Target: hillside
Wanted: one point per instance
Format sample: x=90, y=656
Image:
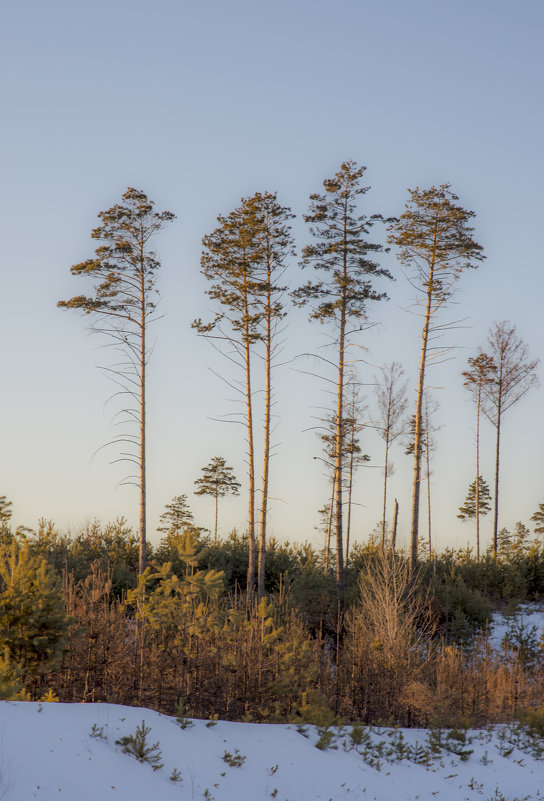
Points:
x=68, y=751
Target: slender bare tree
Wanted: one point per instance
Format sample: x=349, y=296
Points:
x=427, y=444
x=276, y=245
x=513, y=377
x=480, y=374
x=352, y=456
x=355, y=422
x=123, y=306
x=392, y=401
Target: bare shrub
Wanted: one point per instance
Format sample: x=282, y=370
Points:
x=387, y=650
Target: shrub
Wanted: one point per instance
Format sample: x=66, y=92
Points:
x=33, y=622
x=137, y=746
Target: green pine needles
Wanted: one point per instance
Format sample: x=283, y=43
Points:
x=137, y=745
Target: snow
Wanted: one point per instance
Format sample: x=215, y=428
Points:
x=47, y=752
x=530, y=616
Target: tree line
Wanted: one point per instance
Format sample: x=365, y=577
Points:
x=79, y=623
x=244, y=261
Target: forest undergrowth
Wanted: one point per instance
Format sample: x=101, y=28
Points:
x=78, y=625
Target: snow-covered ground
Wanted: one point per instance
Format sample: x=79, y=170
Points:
x=68, y=751
x=526, y=620
x=527, y=617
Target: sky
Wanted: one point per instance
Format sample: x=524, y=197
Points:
x=198, y=105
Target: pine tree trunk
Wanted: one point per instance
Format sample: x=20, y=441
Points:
x=339, y=448
x=350, y=487
x=385, y=470
x=478, y=471
x=417, y=433
x=395, y=522
x=216, y=516
x=497, y=461
x=142, y=560
x=429, y=489
x=329, y=524
x=251, y=462
x=266, y=450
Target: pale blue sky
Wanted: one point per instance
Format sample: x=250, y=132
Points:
x=199, y=104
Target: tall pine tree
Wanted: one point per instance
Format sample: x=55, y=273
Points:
x=124, y=270
x=342, y=253
x=243, y=260
x=435, y=244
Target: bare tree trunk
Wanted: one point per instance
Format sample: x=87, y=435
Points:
x=216, y=516
x=329, y=525
x=350, y=487
x=429, y=490
x=266, y=452
x=478, y=472
x=394, y=532
x=339, y=455
x=417, y=433
x=251, y=465
x=497, y=462
x=385, y=471
x=142, y=558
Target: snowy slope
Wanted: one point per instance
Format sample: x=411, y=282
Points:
x=47, y=752
x=527, y=617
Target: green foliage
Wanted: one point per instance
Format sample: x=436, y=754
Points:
x=176, y=518
x=357, y=734
x=176, y=776
x=433, y=232
x=343, y=290
x=181, y=719
x=33, y=623
x=468, y=510
x=122, y=263
x=459, y=609
x=113, y=547
x=235, y=760
x=522, y=640
x=122, y=305
x=520, y=540
x=182, y=549
x=217, y=480
x=527, y=735
x=326, y=739
x=314, y=709
x=538, y=518
x=137, y=745
x=50, y=697
x=11, y=688
x=6, y=511
x=533, y=721
x=97, y=732
x=230, y=557
x=457, y=742
x=175, y=606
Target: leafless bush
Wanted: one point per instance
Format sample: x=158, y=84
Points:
x=387, y=650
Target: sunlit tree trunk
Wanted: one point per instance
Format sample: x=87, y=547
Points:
x=416, y=487
x=250, y=457
x=266, y=448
